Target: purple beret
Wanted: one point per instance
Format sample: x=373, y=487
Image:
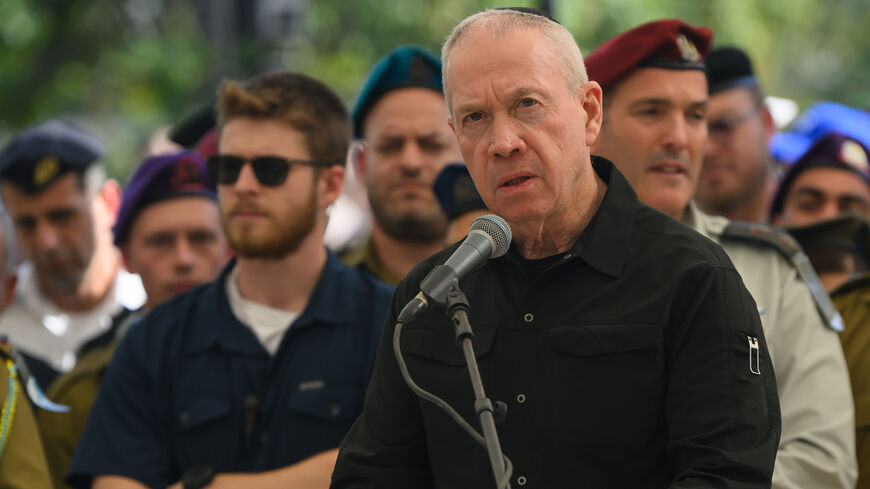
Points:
x=669, y=43
x=834, y=150
x=160, y=178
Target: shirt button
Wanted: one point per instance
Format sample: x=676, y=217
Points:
x=264, y=438
x=185, y=417
x=521, y=398
x=529, y=317
x=334, y=410
x=521, y=480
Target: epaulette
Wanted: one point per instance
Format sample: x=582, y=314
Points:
x=788, y=247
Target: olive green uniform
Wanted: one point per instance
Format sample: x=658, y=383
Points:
x=22, y=462
x=76, y=389
x=364, y=257
x=853, y=301
x=817, y=446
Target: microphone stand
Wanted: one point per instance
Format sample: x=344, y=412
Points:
x=457, y=310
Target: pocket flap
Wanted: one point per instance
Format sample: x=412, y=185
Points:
x=599, y=339
x=440, y=345
x=328, y=402
x=195, y=412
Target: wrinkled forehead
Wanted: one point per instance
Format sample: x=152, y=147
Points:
x=501, y=63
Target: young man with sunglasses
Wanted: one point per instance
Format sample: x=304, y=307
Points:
x=254, y=379
x=738, y=178
x=654, y=129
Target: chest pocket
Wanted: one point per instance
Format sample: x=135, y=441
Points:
x=605, y=384
x=327, y=403
x=322, y=415
x=437, y=364
x=201, y=425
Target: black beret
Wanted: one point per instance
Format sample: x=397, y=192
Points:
x=38, y=156
x=729, y=67
x=456, y=191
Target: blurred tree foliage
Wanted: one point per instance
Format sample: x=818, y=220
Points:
x=124, y=67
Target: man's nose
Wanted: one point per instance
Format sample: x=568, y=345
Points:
x=675, y=135
x=505, y=138
x=247, y=181
x=411, y=158
x=184, y=256
x=47, y=237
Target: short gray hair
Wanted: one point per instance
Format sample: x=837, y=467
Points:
x=501, y=22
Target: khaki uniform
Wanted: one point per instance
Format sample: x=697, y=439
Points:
x=22, y=463
x=817, y=446
x=364, y=257
x=78, y=390
x=853, y=301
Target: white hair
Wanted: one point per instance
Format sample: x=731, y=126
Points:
x=501, y=22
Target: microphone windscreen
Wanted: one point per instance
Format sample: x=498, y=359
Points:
x=497, y=229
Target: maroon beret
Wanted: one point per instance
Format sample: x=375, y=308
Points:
x=669, y=43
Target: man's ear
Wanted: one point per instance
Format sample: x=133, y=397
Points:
x=110, y=197
x=125, y=253
x=331, y=183
x=358, y=157
x=767, y=122
x=590, y=99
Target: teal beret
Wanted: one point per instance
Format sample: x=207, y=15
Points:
x=403, y=67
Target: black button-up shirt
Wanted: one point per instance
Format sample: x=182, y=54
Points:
x=636, y=360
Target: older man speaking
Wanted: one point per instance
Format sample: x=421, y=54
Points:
x=625, y=345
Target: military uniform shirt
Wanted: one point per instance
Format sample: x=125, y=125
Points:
x=174, y=394
x=51, y=336
x=22, y=463
x=637, y=360
x=365, y=258
x=853, y=301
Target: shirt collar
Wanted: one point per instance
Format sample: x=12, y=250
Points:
x=605, y=241
x=214, y=322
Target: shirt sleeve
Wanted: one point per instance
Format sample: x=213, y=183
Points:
x=722, y=409
x=817, y=448
x=125, y=434
x=385, y=448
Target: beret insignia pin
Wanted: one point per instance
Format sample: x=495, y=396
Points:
x=46, y=169
x=688, y=51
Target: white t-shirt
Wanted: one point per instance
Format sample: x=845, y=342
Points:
x=35, y=325
x=267, y=323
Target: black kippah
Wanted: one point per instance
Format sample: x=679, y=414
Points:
x=729, y=67
x=529, y=10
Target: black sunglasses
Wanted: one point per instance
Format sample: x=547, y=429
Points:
x=270, y=171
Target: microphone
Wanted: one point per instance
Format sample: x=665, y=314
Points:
x=488, y=237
